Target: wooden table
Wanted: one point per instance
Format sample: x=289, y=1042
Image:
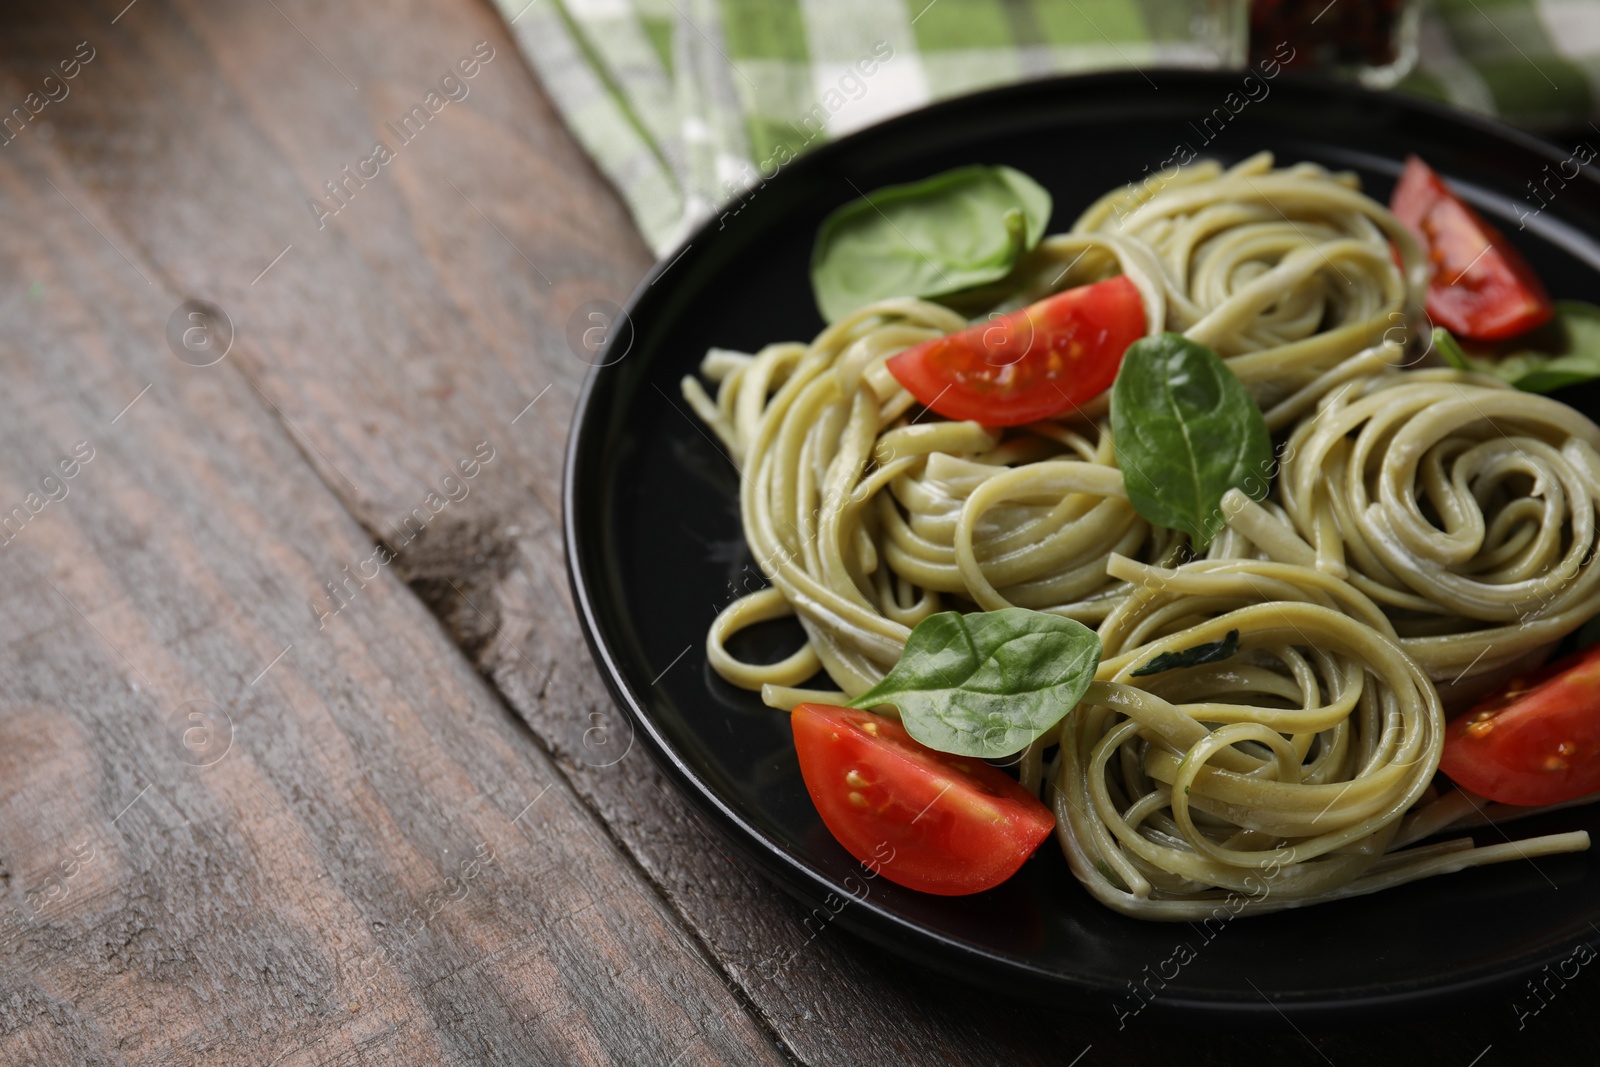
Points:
x=268, y=796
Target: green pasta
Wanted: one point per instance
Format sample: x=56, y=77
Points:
x=1425, y=530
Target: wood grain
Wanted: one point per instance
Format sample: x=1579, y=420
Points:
x=427, y=316
x=354, y=853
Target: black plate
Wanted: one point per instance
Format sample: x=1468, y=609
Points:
x=655, y=549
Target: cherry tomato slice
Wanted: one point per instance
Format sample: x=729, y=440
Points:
x=927, y=820
x=1030, y=364
x=1535, y=742
x=1482, y=288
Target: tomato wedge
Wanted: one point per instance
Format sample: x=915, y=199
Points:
x=1030, y=364
x=1482, y=288
x=927, y=820
x=1535, y=742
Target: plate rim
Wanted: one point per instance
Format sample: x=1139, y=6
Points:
x=898, y=934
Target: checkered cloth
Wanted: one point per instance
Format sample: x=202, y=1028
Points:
x=679, y=101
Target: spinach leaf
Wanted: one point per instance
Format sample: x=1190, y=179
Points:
x=1564, y=351
x=988, y=683
x=1210, y=652
x=1186, y=432
x=946, y=233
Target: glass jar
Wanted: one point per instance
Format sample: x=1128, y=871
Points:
x=1373, y=40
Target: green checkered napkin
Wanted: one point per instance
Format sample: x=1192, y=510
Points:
x=679, y=101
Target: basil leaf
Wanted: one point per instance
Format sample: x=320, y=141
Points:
x=1210, y=652
x=950, y=232
x=988, y=683
x=1564, y=351
x=1186, y=432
